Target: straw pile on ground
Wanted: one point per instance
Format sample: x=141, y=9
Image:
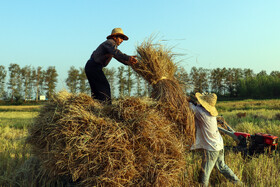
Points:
x=130, y=143
x=156, y=65
x=32, y=174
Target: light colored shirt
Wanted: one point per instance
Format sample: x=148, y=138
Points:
x=207, y=134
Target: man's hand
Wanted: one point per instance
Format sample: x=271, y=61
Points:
x=132, y=60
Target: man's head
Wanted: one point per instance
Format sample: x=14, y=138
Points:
x=118, y=39
x=117, y=32
x=208, y=101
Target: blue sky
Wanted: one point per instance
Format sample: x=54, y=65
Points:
x=210, y=33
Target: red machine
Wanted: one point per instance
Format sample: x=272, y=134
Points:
x=247, y=143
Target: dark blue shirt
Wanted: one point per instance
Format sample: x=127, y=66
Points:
x=105, y=51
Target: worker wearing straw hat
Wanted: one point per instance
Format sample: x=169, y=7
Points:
x=208, y=139
x=100, y=88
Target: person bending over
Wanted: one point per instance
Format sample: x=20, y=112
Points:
x=208, y=138
x=100, y=58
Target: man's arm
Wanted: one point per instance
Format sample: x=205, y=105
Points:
x=192, y=99
x=117, y=54
x=196, y=110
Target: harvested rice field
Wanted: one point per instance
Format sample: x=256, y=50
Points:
x=20, y=166
x=74, y=140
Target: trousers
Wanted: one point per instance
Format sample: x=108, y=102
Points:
x=211, y=159
x=99, y=85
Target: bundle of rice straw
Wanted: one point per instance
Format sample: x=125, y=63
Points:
x=130, y=143
x=155, y=65
x=31, y=173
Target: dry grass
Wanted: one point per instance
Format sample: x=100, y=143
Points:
x=18, y=114
x=127, y=144
x=272, y=104
x=130, y=143
x=258, y=171
x=31, y=107
x=157, y=67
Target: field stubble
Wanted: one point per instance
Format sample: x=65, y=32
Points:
x=261, y=116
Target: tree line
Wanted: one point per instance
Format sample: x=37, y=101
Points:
x=28, y=83
x=236, y=83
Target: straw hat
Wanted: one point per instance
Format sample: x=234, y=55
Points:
x=208, y=101
x=117, y=32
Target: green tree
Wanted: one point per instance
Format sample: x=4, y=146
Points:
x=83, y=83
x=121, y=81
x=129, y=80
x=51, y=81
x=242, y=88
x=183, y=77
x=275, y=73
x=33, y=81
x=15, y=81
x=42, y=82
x=261, y=86
x=27, y=81
x=139, y=82
x=199, y=79
x=217, y=79
x=37, y=79
x=110, y=74
x=262, y=73
x=111, y=79
x=72, y=80
x=276, y=86
x=231, y=81
x=3, y=74
x=248, y=73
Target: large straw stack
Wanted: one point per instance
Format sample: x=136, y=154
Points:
x=127, y=144
x=157, y=67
